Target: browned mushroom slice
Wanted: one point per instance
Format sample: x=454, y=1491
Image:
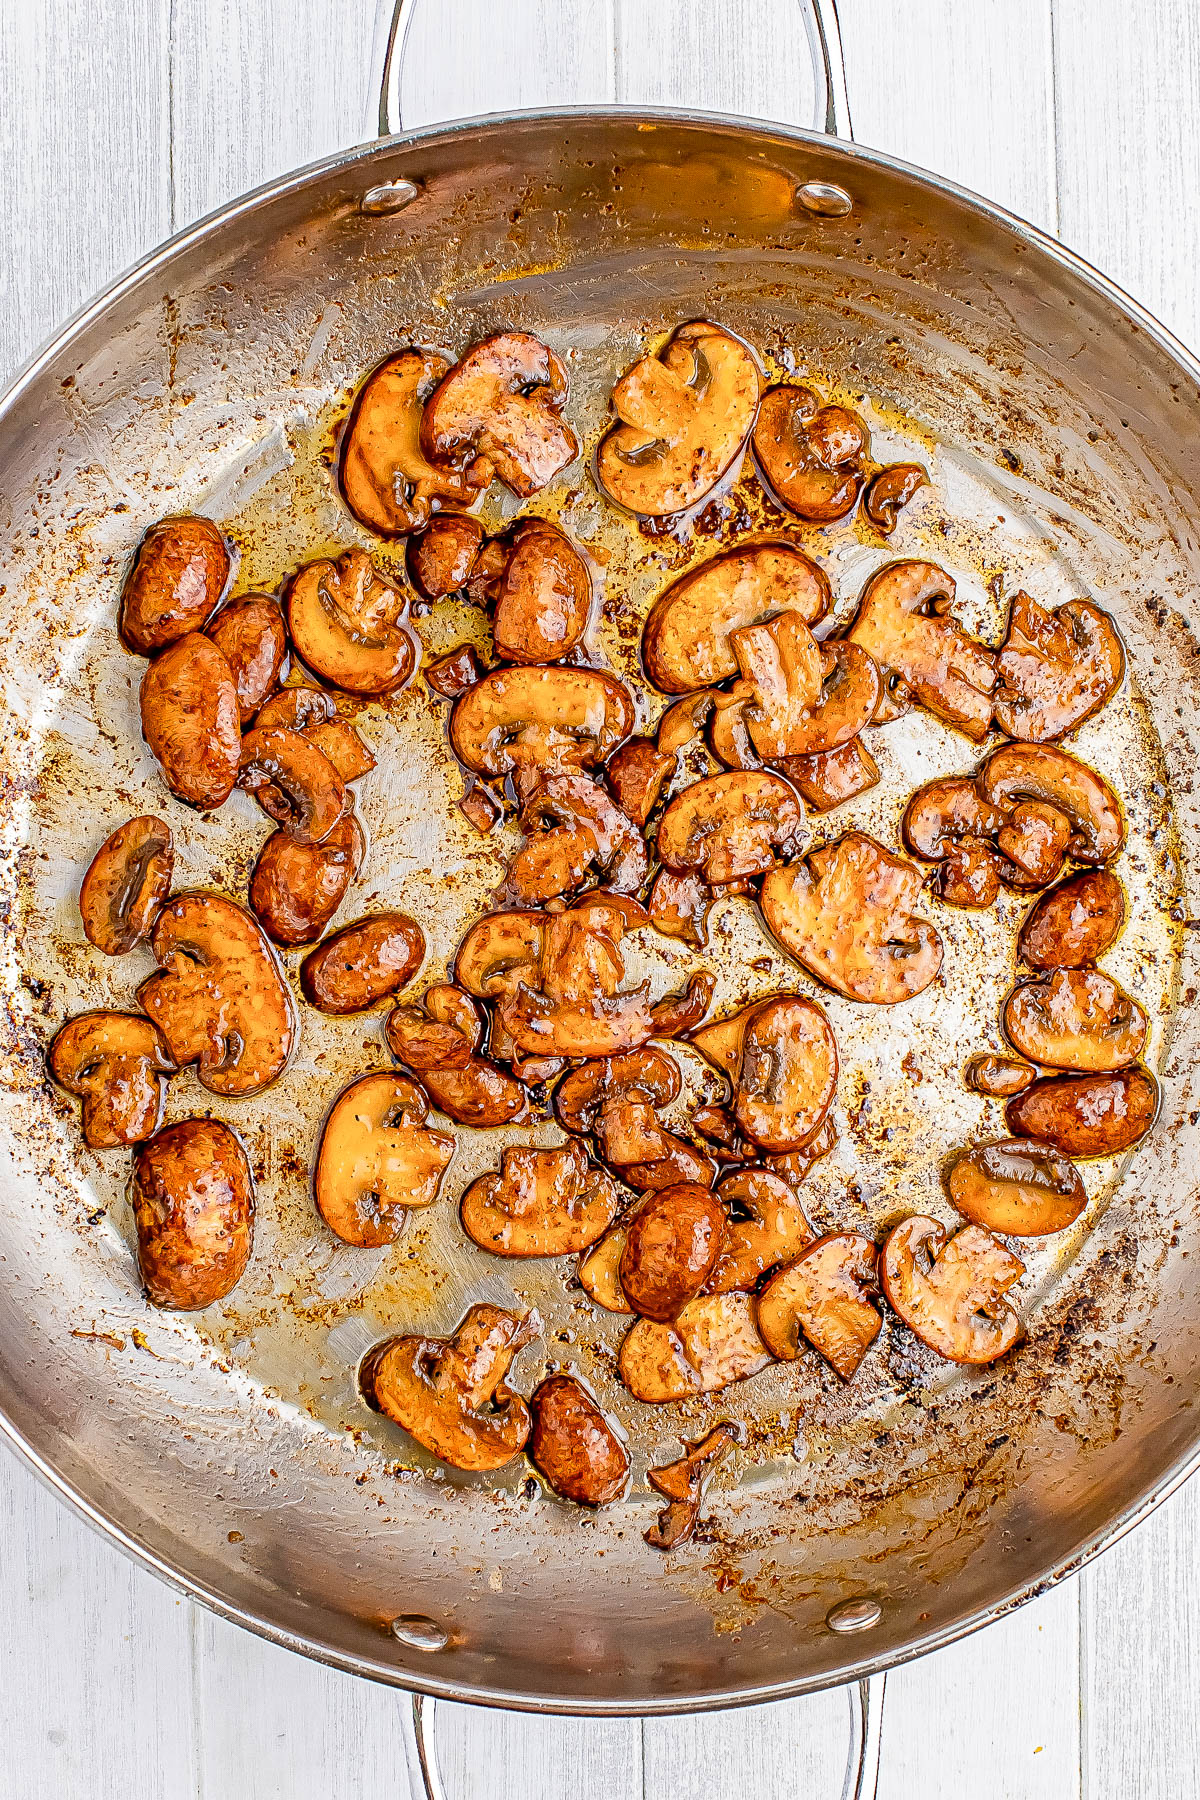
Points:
x=672, y=1244
x=453, y=675
x=296, y=708
x=904, y=621
x=251, y=636
x=296, y=888
x=643, y=1152
x=1056, y=668
x=826, y=1294
x=570, y=1002
x=951, y=1293
x=126, y=883
x=542, y=602
x=686, y=643
x=573, y=827
x=348, y=623
x=118, y=1066
x=727, y=827
x=219, y=998
x=193, y=1207
x=811, y=456
x=442, y=558
x=675, y=1015
x=1040, y=774
x=645, y=1074
x=712, y=1343
x=174, y=584
x=498, y=952
x=573, y=1445
x=293, y=782
x=829, y=777
x=439, y=1044
x=847, y=915
x=766, y=1227
x=787, y=1073
x=1035, y=839
x=948, y=823
x=998, y=1076
x=1086, y=1115
x=363, y=963
x=376, y=1158
x=599, y=1272
x=337, y=740
x=1075, y=922
x=534, y=722
x=798, y=697
x=637, y=773
x=1017, y=1187
x=680, y=905
x=498, y=412
x=795, y=1164
x=682, y=1486
x=542, y=1203
x=890, y=490
x=449, y=1393
x=1075, y=1019
x=480, y=808
x=388, y=482
x=191, y=722
x=684, y=418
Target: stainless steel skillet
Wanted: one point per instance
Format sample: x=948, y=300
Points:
x=1037, y=386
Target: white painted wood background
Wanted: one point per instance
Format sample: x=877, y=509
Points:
x=121, y=121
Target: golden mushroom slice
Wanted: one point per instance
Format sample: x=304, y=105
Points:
x=905, y=623
x=712, y=1343
x=293, y=781
x=684, y=418
x=686, y=643
x=499, y=412
x=117, y=1063
x=1055, y=668
x=296, y=888
x=826, y=1295
x=438, y=1041
x=766, y=1227
x=349, y=625
x=377, y=1157
x=449, y=1393
x=1000, y=1077
x=781, y=1060
x=811, y=456
x=1017, y=1187
x=947, y=822
x=798, y=697
x=126, y=884
x=951, y=1293
x=1075, y=923
x=599, y=1272
x=193, y=1208
x=731, y=827
x=541, y=1203
x=575, y=830
x=570, y=1002
x=1086, y=1115
x=252, y=637
x=847, y=914
x=1075, y=1019
x=179, y=572
x=1027, y=776
x=191, y=722
x=542, y=601
x=891, y=490
x=682, y=1486
x=363, y=963
x=444, y=556
x=574, y=1445
x=219, y=998
x=387, y=481
x=533, y=722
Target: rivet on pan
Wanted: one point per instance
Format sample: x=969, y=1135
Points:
x=853, y=1615
x=825, y=198
x=389, y=197
x=418, y=1632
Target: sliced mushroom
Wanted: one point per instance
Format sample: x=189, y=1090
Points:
x=468, y=1088
x=251, y=636
x=191, y=722
x=535, y=722
x=649, y=1075
x=728, y=827
x=712, y=1343
x=682, y=1486
x=542, y=1203
x=672, y=1244
x=573, y=828
x=175, y=583
x=637, y=772
x=766, y=1226
x=599, y=1272
x=118, y=1065
x=498, y=412
x=847, y=916
x=798, y=697
x=829, y=777
x=684, y=417
x=677, y=1014
x=480, y=808
x=377, y=1157
x=1055, y=668
x=219, y=998
x=1035, y=838
x=363, y=963
x=338, y=740
x=348, y=623
x=680, y=905
x=453, y=675
x=296, y=888
x=293, y=782
x=449, y=1393
x=574, y=1446
x=126, y=883
x=827, y=1295
x=951, y=1293
x=687, y=640
x=1075, y=922
x=1075, y=1019
x=811, y=456
x=619, y=1098
x=787, y=1074
x=998, y=1076
x=193, y=1206
x=388, y=482
x=1086, y=1115
x=948, y=822
x=1017, y=1187
x=498, y=952
x=542, y=602
x=297, y=708
x=904, y=621
x=795, y=1164
x=570, y=1002
x=1023, y=774
x=889, y=490
x=441, y=558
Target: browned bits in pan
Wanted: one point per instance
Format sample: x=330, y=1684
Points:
x=296, y=888
x=363, y=963
x=377, y=1158
x=126, y=883
x=251, y=636
x=118, y=1064
x=174, y=585
x=574, y=1446
x=682, y=1485
x=811, y=456
x=191, y=721
x=193, y=1205
x=889, y=491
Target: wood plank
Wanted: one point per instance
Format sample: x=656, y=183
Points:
x=485, y=1754
x=794, y=1747
x=463, y=58
x=726, y=56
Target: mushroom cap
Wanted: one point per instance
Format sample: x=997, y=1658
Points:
x=376, y=1158
x=191, y=721
x=498, y=411
x=1055, y=669
x=847, y=916
x=826, y=1295
x=672, y=1244
x=892, y=488
x=175, y=582
x=713, y=1342
x=126, y=883
x=904, y=621
x=548, y=719
x=193, y=1206
x=951, y=1293
x=387, y=481
x=1017, y=1187
x=767, y=1226
x=797, y=697
x=296, y=888
x=1020, y=774
x=297, y=708
x=441, y=558
x=572, y=824
x=573, y=1445
x=439, y=1043
x=1075, y=922
x=686, y=642
x=541, y=1203
x=543, y=601
x=363, y=963
x=293, y=781
x=219, y=998
x=810, y=456
x=348, y=624
x=729, y=827
x=684, y=417
x=252, y=637
x=117, y=1063
x=998, y=1076
x=787, y=1073
x=1086, y=1115
x=1075, y=1019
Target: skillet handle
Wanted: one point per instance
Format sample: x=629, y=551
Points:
x=821, y=25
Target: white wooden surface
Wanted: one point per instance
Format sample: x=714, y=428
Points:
x=121, y=120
